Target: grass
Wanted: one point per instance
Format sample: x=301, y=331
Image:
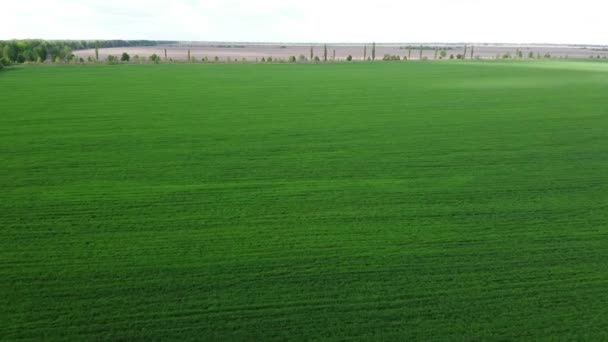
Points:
x=396, y=201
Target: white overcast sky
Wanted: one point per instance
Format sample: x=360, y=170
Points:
x=507, y=21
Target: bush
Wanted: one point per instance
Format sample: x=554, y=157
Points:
x=302, y=58
x=112, y=59
x=292, y=59
x=125, y=57
x=154, y=58
x=317, y=59
x=349, y=58
x=4, y=61
x=391, y=58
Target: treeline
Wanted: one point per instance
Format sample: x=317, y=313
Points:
x=38, y=50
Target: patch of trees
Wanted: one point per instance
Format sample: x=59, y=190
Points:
x=38, y=50
x=391, y=58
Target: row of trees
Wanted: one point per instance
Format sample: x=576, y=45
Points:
x=37, y=50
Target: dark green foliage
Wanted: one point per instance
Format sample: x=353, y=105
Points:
x=349, y=58
x=305, y=202
x=373, y=51
x=154, y=58
x=36, y=50
x=125, y=57
x=388, y=57
x=114, y=60
x=324, y=53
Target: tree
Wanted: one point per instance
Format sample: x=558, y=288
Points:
x=464, y=55
x=409, y=53
x=325, y=53
x=97, y=51
x=188, y=55
x=436, y=53
x=349, y=58
x=111, y=59
x=531, y=55
x=165, y=54
x=364, y=52
x=317, y=59
x=311, y=53
x=154, y=58
x=472, y=51
x=443, y=54
x=373, y=51
x=421, y=49
x=125, y=57
x=334, y=56
x=292, y=59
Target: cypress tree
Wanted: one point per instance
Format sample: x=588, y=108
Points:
x=311, y=53
x=188, y=55
x=436, y=51
x=409, y=54
x=364, y=52
x=97, y=51
x=420, y=52
x=472, y=51
x=325, y=53
x=165, y=54
x=464, y=55
x=373, y=51
x=334, y=58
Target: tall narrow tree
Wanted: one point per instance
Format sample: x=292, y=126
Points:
x=421, y=49
x=188, y=55
x=165, y=54
x=373, y=51
x=97, y=51
x=409, y=53
x=472, y=51
x=334, y=57
x=436, y=52
x=311, y=53
x=364, y=52
x=464, y=55
x=324, y=52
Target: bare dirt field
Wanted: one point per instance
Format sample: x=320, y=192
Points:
x=257, y=51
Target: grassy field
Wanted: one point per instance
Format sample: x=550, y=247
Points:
x=396, y=201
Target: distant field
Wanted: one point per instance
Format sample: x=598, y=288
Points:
x=396, y=201
x=251, y=52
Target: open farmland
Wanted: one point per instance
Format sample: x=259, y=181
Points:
x=252, y=51
x=338, y=201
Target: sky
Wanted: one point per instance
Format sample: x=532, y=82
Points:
x=331, y=21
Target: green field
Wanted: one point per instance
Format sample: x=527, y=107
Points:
x=395, y=201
